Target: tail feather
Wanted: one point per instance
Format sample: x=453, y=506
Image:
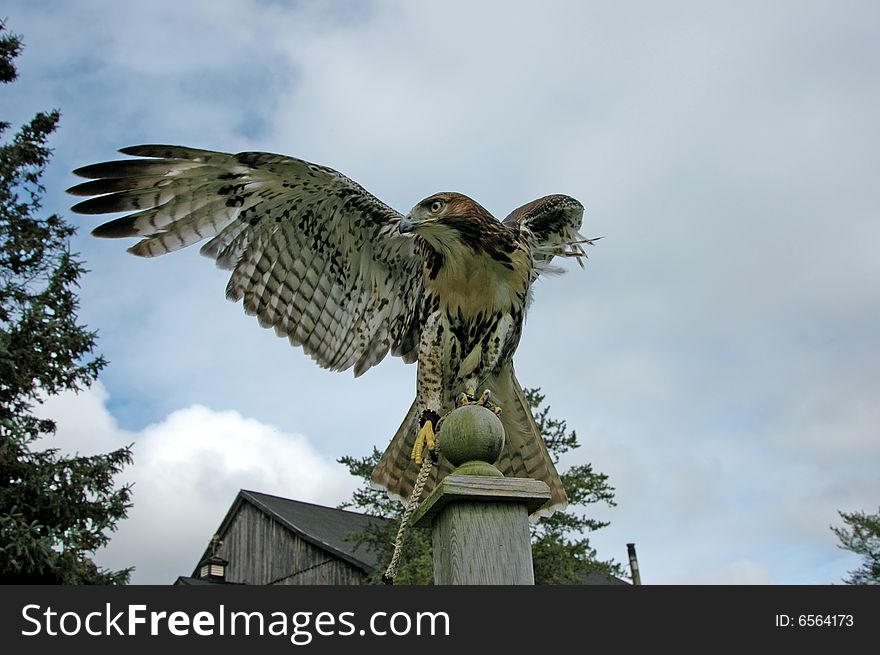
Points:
x=524, y=454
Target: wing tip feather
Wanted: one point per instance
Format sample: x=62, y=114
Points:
x=116, y=229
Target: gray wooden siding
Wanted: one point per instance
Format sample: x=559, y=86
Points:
x=262, y=551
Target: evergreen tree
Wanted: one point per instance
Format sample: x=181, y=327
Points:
x=54, y=510
x=561, y=550
x=416, y=566
x=862, y=537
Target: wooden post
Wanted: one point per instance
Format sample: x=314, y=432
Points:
x=479, y=518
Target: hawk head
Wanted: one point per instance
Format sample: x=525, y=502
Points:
x=449, y=221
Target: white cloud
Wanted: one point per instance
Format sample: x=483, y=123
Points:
x=187, y=470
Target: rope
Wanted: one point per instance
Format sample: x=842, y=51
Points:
x=411, y=504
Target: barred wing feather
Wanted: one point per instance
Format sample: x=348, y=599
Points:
x=550, y=225
x=312, y=254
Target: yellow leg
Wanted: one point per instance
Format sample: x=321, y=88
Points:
x=424, y=440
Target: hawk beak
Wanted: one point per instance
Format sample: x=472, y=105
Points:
x=406, y=226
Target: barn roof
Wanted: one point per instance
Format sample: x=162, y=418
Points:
x=326, y=527
x=192, y=581
x=599, y=578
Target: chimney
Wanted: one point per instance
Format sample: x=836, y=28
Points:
x=634, y=564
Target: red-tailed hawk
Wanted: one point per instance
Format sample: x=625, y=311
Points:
x=349, y=279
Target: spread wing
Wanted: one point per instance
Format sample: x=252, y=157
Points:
x=550, y=226
x=312, y=254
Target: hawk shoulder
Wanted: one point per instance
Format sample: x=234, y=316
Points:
x=550, y=227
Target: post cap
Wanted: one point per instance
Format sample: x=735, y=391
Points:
x=477, y=489
x=472, y=438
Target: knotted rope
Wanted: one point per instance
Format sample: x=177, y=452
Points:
x=414, y=499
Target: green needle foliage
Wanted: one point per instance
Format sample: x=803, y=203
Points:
x=862, y=537
x=561, y=550
x=54, y=510
x=415, y=559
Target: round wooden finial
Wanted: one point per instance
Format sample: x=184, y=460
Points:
x=472, y=438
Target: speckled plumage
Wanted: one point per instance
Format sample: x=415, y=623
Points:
x=336, y=271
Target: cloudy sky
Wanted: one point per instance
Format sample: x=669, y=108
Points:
x=719, y=357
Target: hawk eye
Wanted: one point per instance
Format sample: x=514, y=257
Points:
x=436, y=206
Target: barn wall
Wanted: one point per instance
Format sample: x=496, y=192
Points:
x=262, y=551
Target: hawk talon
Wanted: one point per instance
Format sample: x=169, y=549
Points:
x=469, y=397
x=425, y=440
